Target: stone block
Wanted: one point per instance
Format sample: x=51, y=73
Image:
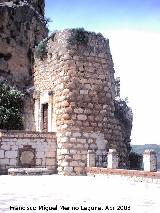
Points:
x=13, y=162
x=5, y=146
x=86, y=146
x=93, y=146
x=64, y=164
x=68, y=169
x=81, y=117
x=14, y=147
x=85, y=123
x=64, y=151
x=40, y=155
x=73, y=151
x=84, y=92
x=78, y=170
x=79, y=146
x=73, y=140
x=50, y=161
x=78, y=110
x=4, y=161
x=82, y=164
x=87, y=111
x=73, y=163
x=90, y=141
x=44, y=162
x=38, y=162
x=76, y=134
x=11, y=154
x=84, y=157
x=77, y=157
x=50, y=154
x=64, y=139
x=1, y=153
x=81, y=140
x=68, y=134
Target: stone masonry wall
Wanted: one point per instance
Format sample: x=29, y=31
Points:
x=81, y=78
x=27, y=149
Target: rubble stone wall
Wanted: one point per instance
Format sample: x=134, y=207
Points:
x=80, y=78
x=27, y=149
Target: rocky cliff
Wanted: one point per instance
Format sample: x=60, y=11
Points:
x=22, y=27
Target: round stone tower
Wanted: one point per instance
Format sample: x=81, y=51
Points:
x=74, y=83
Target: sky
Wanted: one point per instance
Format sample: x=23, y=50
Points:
x=133, y=29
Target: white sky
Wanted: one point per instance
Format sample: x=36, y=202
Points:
x=136, y=55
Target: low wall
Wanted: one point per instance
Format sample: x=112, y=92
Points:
x=27, y=149
x=134, y=175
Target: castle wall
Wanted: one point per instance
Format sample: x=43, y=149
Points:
x=81, y=81
x=27, y=149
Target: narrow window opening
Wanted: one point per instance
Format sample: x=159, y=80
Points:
x=45, y=117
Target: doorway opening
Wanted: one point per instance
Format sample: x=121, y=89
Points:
x=45, y=117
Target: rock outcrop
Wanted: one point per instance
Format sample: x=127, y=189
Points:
x=22, y=27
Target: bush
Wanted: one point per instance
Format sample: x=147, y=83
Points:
x=41, y=50
x=11, y=106
x=123, y=112
x=135, y=160
x=78, y=37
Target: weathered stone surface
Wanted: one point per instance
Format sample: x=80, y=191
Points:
x=10, y=154
x=1, y=153
x=30, y=171
x=26, y=157
x=75, y=80
x=22, y=153
x=150, y=161
x=22, y=26
x=84, y=91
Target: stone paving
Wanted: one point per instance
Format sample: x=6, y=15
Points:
x=56, y=193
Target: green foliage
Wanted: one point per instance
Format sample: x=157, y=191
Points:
x=135, y=160
x=117, y=86
x=11, y=106
x=78, y=37
x=123, y=112
x=47, y=20
x=41, y=50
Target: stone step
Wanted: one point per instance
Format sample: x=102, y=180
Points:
x=30, y=171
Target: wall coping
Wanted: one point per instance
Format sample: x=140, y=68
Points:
x=26, y=134
x=122, y=172
x=30, y=171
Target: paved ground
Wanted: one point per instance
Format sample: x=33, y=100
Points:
x=51, y=193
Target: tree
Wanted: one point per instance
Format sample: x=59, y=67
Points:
x=11, y=106
x=135, y=160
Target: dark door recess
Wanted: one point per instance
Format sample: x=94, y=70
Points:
x=45, y=117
